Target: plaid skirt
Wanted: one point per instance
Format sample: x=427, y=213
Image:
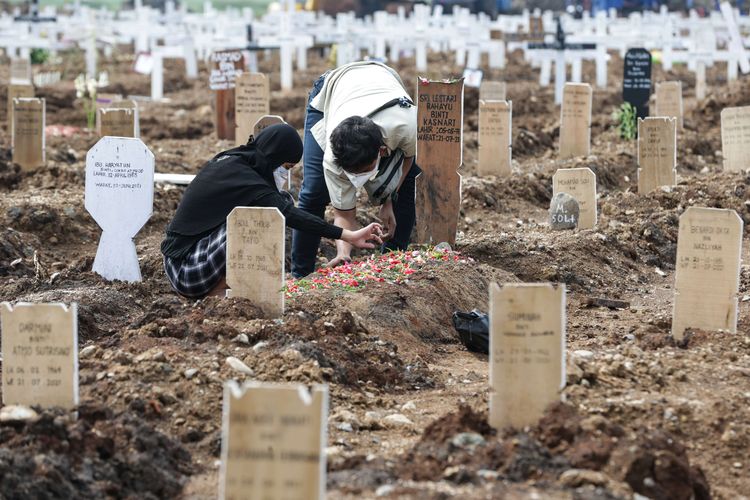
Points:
x=200, y=271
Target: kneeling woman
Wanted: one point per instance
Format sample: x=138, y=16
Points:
x=247, y=176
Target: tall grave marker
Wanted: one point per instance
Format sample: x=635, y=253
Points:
x=439, y=154
x=707, y=275
x=735, y=137
x=40, y=354
x=669, y=101
x=14, y=92
x=580, y=183
x=636, y=82
x=575, y=120
x=226, y=66
x=251, y=102
x=495, y=137
x=120, y=198
x=273, y=441
x=29, y=117
x=527, y=351
x=657, y=153
x=255, y=257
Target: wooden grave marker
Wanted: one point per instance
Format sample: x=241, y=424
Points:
x=120, y=197
x=492, y=91
x=580, y=183
x=255, y=257
x=707, y=274
x=226, y=66
x=439, y=154
x=266, y=121
x=495, y=149
x=20, y=71
x=14, y=92
x=29, y=141
x=657, y=153
x=105, y=101
x=273, y=442
x=669, y=101
x=118, y=122
x=575, y=120
x=735, y=138
x=119, y=104
x=40, y=354
x=251, y=102
x=527, y=351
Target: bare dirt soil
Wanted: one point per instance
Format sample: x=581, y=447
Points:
x=641, y=413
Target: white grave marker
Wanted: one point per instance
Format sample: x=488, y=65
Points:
x=735, y=138
x=255, y=257
x=575, y=120
x=657, y=153
x=580, y=183
x=707, y=275
x=527, y=351
x=120, y=198
x=495, y=137
x=40, y=354
x=273, y=442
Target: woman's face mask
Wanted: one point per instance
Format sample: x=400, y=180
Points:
x=359, y=180
x=281, y=177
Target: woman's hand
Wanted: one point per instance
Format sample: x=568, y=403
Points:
x=367, y=237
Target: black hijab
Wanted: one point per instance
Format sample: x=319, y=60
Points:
x=235, y=178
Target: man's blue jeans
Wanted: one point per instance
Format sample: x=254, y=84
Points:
x=313, y=198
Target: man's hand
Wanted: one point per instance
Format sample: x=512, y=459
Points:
x=388, y=218
x=367, y=237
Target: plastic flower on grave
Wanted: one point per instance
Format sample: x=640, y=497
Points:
x=80, y=84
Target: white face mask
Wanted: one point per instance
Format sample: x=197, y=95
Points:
x=281, y=177
x=359, y=180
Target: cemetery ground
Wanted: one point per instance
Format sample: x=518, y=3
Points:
x=408, y=406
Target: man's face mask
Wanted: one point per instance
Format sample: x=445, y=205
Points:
x=359, y=180
x=281, y=177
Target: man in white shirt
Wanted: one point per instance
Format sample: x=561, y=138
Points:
x=360, y=132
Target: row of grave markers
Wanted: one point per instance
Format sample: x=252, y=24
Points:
x=527, y=321
x=274, y=436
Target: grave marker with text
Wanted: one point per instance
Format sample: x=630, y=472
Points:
x=575, y=120
x=17, y=91
x=527, y=351
x=735, y=138
x=251, y=102
x=40, y=354
x=226, y=66
x=495, y=137
x=439, y=154
x=492, y=91
x=273, y=442
x=657, y=153
x=120, y=198
x=636, y=83
x=707, y=274
x=255, y=257
x=29, y=140
x=580, y=183
x=266, y=121
x=118, y=122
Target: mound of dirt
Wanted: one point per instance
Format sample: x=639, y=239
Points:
x=99, y=455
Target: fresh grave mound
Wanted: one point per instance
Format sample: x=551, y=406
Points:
x=99, y=455
x=565, y=447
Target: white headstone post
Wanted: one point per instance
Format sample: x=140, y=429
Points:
x=120, y=198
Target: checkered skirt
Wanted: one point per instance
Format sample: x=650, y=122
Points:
x=200, y=271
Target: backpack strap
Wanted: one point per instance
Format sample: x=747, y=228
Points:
x=404, y=102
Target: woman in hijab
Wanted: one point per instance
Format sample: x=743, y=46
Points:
x=251, y=175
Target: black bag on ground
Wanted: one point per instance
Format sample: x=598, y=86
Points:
x=473, y=329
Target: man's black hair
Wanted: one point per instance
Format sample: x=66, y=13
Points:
x=355, y=143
